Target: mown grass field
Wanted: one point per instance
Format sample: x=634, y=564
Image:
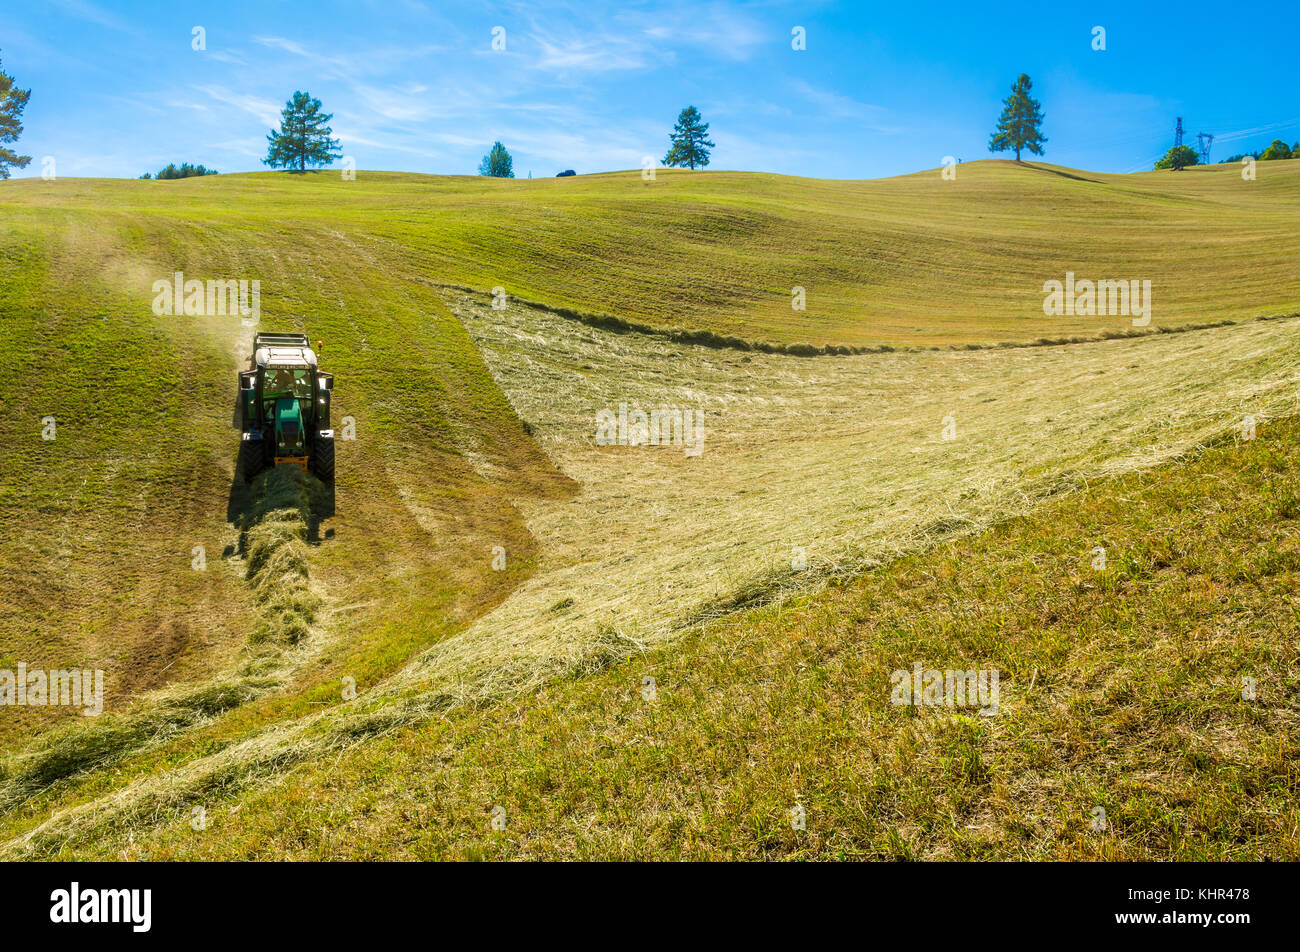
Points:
x=908, y=260
x=1121, y=688
x=473, y=432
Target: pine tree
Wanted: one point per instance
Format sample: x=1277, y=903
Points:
x=12, y=103
x=690, y=141
x=1019, y=126
x=497, y=163
x=304, y=138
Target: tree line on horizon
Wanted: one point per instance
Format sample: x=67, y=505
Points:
x=304, y=139
x=1181, y=156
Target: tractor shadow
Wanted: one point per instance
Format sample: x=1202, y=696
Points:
x=243, y=511
x=322, y=508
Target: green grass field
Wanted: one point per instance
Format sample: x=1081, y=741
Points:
x=1121, y=688
x=521, y=687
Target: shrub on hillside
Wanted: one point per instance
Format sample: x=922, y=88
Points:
x=184, y=170
x=1277, y=150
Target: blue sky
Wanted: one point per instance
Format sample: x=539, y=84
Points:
x=882, y=88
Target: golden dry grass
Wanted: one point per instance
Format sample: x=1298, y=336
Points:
x=843, y=457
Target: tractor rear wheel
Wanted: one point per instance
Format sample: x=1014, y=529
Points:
x=322, y=458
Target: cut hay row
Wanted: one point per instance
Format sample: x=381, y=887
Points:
x=273, y=537
x=707, y=338
x=842, y=458
x=275, y=542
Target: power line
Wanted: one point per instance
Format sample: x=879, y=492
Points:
x=1247, y=133
x=1221, y=138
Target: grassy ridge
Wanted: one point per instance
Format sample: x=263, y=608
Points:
x=908, y=260
x=1120, y=688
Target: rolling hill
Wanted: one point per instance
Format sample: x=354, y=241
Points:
x=474, y=435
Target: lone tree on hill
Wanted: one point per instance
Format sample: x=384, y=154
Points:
x=1185, y=153
x=690, y=139
x=304, y=138
x=1020, y=125
x=12, y=103
x=498, y=163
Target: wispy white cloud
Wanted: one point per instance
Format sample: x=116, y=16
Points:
x=722, y=29
x=266, y=111
x=597, y=54
x=84, y=10
x=253, y=147
x=1258, y=130
x=353, y=64
x=406, y=103
x=280, y=43
x=224, y=56
x=834, y=105
x=182, y=104
x=599, y=42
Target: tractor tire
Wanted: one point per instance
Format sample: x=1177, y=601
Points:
x=322, y=458
x=252, y=458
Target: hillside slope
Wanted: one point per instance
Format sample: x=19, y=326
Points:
x=604, y=553
x=98, y=526
x=909, y=260
x=1123, y=689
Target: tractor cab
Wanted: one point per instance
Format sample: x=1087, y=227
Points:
x=285, y=406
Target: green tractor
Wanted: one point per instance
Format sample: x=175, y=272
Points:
x=284, y=402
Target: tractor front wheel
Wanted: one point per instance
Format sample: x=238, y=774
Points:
x=252, y=458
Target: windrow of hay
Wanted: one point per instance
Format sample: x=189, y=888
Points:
x=273, y=537
x=271, y=753
x=815, y=468
x=78, y=746
x=278, y=560
x=809, y=468
x=707, y=338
